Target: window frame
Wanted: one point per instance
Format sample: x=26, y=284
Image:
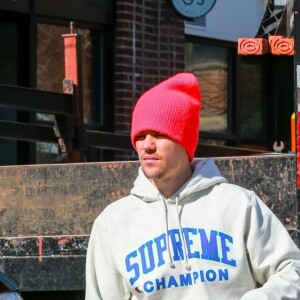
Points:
x=230, y=134
x=270, y=94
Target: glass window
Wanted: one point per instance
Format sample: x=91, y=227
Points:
x=251, y=100
x=50, y=73
x=210, y=65
x=247, y=101
x=8, y=75
x=50, y=63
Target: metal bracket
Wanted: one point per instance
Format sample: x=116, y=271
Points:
x=278, y=148
x=60, y=140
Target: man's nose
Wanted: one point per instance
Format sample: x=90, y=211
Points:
x=149, y=142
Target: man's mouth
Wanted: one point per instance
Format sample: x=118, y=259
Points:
x=150, y=157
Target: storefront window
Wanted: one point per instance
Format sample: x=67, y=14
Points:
x=209, y=64
x=251, y=100
x=8, y=75
x=50, y=74
x=50, y=62
x=247, y=101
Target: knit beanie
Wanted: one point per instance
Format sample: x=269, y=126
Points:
x=172, y=108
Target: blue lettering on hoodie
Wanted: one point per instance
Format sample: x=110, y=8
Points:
x=224, y=237
x=209, y=247
x=146, y=252
x=201, y=244
x=132, y=266
x=189, y=234
x=183, y=280
x=176, y=243
x=161, y=247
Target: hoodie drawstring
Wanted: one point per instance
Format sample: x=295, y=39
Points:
x=187, y=264
x=171, y=263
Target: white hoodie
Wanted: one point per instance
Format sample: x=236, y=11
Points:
x=211, y=240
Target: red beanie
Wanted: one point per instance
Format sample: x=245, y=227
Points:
x=172, y=107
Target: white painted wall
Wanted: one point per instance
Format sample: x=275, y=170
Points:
x=230, y=19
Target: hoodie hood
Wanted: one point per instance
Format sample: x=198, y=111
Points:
x=205, y=175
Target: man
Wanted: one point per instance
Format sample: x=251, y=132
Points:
x=184, y=232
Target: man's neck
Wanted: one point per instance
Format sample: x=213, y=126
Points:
x=168, y=186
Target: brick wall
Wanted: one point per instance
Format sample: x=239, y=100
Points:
x=149, y=47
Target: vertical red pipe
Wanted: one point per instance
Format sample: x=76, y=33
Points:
x=72, y=67
x=71, y=63
x=293, y=133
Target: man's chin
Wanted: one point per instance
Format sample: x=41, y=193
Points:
x=153, y=174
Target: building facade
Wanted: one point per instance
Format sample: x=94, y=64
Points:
x=129, y=46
